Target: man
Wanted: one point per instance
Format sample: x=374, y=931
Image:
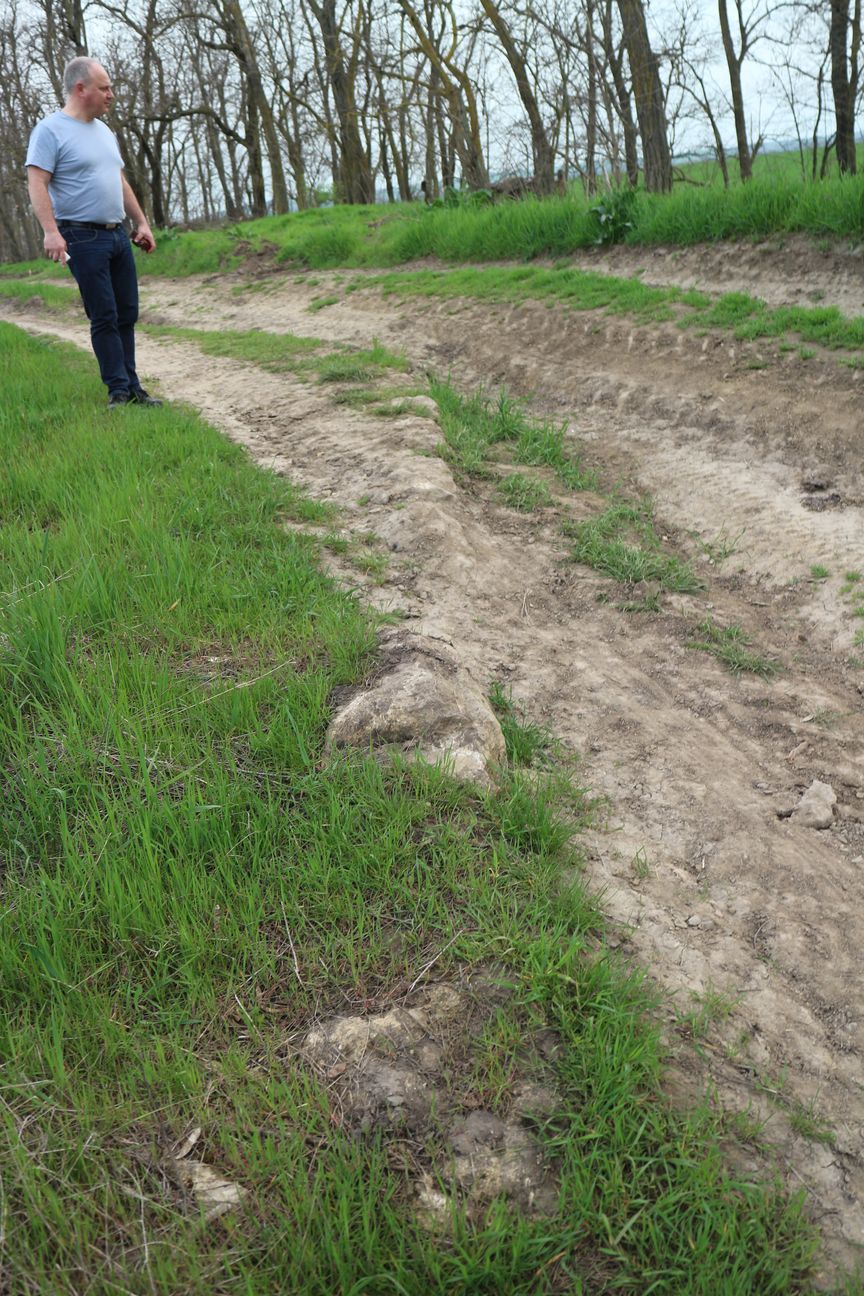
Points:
x=81, y=196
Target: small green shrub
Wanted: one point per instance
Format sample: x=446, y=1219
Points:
x=615, y=216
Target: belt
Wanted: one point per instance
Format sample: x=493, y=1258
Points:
x=90, y=225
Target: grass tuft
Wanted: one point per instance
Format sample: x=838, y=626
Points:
x=475, y=426
x=621, y=542
x=526, y=494
x=730, y=644
x=526, y=743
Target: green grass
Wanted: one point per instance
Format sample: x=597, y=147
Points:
x=359, y=365
x=289, y=353
x=523, y=493
x=810, y=1124
x=747, y=317
x=710, y=1007
x=320, y=303
x=381, y=400
x=279, y=352
x=581, y=290
x=775, y=204
x=527, y=743
x=52, y=294
x=621, y=542
x=730, y=644
x=189, y=882
x=476, y=428
x=750, y=319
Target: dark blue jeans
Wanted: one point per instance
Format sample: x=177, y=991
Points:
x=104, y=268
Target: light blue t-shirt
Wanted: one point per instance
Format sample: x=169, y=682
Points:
x=85, y=164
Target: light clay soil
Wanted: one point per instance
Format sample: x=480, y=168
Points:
x=709, y=884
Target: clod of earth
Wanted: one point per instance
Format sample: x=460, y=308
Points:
x=407, y=1072
x=425, y=704
x=423, y=405
x=215, y=1195
x=818, y=503
x=816, y=807
x=819, y=479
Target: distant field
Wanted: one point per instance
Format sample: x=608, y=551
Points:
x=767, y=166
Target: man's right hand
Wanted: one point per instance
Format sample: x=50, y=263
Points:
x=55, y=247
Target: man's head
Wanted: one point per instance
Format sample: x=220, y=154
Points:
x=87, y=87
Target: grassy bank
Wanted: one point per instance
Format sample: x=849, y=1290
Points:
x=189, y=884
x=747, y=317
x=554, y=227
x=774, y=204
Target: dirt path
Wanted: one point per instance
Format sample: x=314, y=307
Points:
x=714, y=888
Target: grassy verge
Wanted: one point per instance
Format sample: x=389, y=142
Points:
x=747, y=317
x=52, y=294
x=289, y=353
x=774, y=204
x=188, y=884
x=582, y=290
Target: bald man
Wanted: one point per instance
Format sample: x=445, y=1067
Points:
x=81, y=198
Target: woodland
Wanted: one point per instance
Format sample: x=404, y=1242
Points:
x=228, y=109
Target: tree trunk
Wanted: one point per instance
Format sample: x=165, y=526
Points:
x=733, y=63
x=355, y=183
x=844, y=103
x=615, y=58
x=457, y=91
x=591, y=113
x=260, y=115
x=648, y=93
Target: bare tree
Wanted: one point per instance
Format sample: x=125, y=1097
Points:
x=456, y=89
x=516, y=54
x=690, y=55
x=648, y=93
x=20, y=237
x=237, y=107
x=751, y=25
x=353, y=179
x=845, y=48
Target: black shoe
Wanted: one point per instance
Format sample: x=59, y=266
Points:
x=138, y=396
x=118, y=398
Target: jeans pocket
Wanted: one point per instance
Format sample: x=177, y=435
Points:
x=79, y=238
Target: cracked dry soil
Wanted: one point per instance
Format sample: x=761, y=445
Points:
x=707, y=880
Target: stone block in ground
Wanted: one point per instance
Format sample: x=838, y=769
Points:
x=424, y=703
x=816, y=807
x=410, y=1072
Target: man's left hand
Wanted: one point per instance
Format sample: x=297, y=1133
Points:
x=143, y=238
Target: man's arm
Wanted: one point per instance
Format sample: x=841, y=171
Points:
x=143, y=235
x=37, y=186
